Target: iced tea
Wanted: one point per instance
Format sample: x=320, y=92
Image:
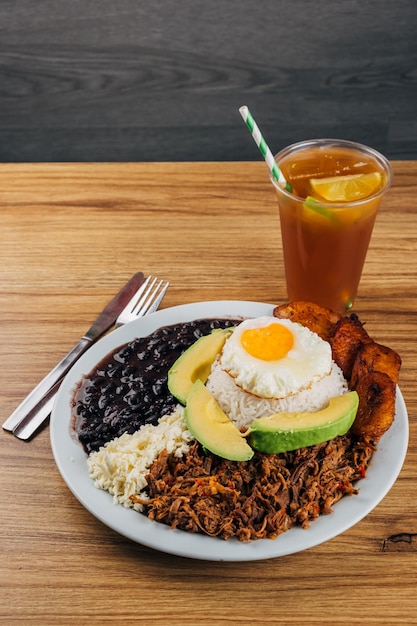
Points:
x=328, y=217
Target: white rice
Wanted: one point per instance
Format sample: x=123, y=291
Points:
x=242, y=407
x=120, y=466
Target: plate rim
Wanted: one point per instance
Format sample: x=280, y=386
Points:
x=70, y=459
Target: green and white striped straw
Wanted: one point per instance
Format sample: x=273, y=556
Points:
x=264, y=148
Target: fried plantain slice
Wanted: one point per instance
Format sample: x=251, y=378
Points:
x=347, y=338
x=375, y=357
x=315, y=317
x=376, y=409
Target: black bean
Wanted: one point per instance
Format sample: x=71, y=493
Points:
x=157, y=387
x=129, y=387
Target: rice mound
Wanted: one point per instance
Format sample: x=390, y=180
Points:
x=242, y=407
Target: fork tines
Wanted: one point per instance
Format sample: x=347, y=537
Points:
x=151, y=299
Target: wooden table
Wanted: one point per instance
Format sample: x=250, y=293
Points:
x=71, y=235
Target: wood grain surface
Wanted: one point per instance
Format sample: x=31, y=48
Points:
x=95, y=80
x=70, y=236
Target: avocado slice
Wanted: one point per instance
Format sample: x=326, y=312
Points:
x=195, y=363
x=212, y=428
x=282, y=432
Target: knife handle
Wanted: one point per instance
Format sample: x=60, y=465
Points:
x=38, y=415
x=34, y=398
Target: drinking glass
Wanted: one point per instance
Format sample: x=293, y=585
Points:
x=325, y=238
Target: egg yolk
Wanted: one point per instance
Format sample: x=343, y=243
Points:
x=269, y=343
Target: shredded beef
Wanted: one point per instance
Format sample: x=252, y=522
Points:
x=260, y=498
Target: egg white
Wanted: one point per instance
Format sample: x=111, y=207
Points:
x=308, y=361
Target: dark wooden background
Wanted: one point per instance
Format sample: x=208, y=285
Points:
x=120, y=80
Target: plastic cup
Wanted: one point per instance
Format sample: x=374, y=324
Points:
x=325, y=242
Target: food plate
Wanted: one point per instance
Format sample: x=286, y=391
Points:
x=71, y=460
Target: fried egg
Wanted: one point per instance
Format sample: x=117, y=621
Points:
x=275, y=358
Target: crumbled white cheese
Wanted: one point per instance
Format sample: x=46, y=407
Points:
x=120, y=466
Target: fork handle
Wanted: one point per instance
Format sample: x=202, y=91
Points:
x=37, y=416
x=34, y=398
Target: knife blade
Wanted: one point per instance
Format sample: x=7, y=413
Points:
x=40, y=413
x=104, y=321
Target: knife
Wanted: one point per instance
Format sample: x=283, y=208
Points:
x=39, y=414
x=44, y=390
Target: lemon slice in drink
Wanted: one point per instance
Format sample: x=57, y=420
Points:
x=346, y=188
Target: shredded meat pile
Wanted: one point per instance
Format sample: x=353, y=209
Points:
x=260, y=498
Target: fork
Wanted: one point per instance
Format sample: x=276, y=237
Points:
x=145, y=301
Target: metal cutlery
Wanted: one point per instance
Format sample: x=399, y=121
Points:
x=103, y=322
x=36, y=407
x=145, y=301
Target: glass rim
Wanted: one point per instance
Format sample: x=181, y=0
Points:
x=353, y=145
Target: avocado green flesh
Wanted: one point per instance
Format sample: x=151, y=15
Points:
x=212, y=428
x=195, y=363
x=283, y=432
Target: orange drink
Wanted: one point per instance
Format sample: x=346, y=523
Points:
x=328, y=216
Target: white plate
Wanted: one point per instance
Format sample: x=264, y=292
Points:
x=71, y=461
